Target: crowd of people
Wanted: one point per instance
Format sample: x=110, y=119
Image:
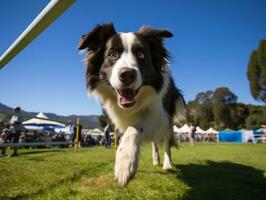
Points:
x=13, y=131
x=197, y=137
x=192, y=136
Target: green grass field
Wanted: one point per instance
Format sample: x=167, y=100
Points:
x=203, y=171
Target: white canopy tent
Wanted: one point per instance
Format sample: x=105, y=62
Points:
x=41, y=120
x=175, y=129
x=211, y=130
x=247, y=135
x=65, y=130
x=95, y=131
x=42, y=115
x=33, y=128
x=184, y=129
x=200, y=131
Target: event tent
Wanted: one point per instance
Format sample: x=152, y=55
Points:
x=247, y=135
x=42, y=121
x=42, y=115
x=240, y=136
x=211, y=130
x=199, y=130
x=184, y=129
x=95, y=131
x=175, y=129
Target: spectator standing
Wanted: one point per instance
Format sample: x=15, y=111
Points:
x=3, y=139
x=192, y=134
x=16, y=127
x=71, y=132
x=2, y=124
x=107, y=140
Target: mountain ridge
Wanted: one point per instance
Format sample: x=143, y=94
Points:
x=88, y=121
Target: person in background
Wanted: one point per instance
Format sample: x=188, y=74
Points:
x=71, y=133
x=1, y=125
x=107, y=140
x=3, y=139
x=192, y=134
x=16, y=127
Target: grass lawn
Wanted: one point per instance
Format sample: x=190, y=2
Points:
x=203, y=171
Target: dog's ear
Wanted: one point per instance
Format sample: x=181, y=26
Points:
x=97, y=37
x=150, y=33
x=154, y=37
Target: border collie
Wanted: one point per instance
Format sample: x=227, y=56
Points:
x=129, y=73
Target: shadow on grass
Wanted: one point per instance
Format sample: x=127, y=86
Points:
x=222, y=180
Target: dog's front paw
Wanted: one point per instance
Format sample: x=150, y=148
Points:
x=125, y=166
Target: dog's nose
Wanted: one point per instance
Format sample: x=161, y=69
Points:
x=127, y=76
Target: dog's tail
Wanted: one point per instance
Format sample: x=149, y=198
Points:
x=180, y=109
x=179, y=116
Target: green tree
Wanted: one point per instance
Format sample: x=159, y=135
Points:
x=256, y=117
x=200, y=110
x=224, y=95
x=204, y=97
x=221, y=110
x=257, y=72
x=205, y=116
x=238, y=114
x=192, y=112
x=223, y=101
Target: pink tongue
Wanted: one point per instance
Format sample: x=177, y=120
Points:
x=124, y=100
x=126, y=96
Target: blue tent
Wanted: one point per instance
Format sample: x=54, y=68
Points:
x=230, y=136
x=240, y=136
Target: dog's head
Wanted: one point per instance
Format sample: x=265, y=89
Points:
x=125, y=62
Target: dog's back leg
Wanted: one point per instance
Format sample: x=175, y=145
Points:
x=155, y=154
x=167, y=155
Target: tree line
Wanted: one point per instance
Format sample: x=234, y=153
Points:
x=221, y=110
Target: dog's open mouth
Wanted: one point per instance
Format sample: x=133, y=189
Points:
x=126, y=97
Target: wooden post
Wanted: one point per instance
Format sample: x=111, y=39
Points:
x=77, y=135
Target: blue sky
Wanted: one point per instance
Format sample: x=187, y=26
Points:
x=210, y=48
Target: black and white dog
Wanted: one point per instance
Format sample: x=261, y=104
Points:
x=129, y=73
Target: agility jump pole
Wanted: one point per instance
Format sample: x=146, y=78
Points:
x=77, y=134
x=49, y=14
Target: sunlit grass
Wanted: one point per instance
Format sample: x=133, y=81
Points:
x=203, y=171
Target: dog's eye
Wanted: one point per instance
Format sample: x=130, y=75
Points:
x=113, y=55
x=140, y=55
